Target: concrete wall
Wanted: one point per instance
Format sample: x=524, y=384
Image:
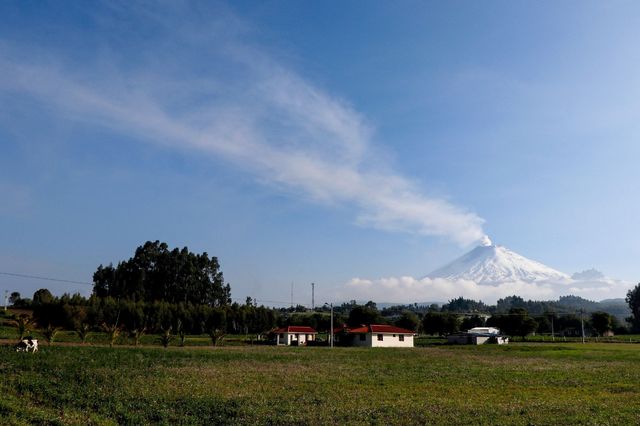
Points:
x=459, y=339
x=289, y=338
x=470, y=339
x=357, y=340
x=388, y=340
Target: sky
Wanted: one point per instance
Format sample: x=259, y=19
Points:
x=329, y=142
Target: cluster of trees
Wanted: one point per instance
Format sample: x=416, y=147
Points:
x=157, y=290
x=156, y=273
x=75, y=312
x=518, y=322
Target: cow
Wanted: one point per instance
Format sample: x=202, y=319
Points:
x=27, y=344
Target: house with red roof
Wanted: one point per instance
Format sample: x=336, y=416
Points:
x=374, y=336
x=294, y=335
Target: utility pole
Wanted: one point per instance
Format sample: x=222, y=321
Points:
x=331, y=331
x=313, y=294
x=6, y=299
x=292, y=295
x=582, y=323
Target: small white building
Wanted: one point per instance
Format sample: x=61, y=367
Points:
x=295, y=335
x=478, y=336
x=375, y=336
x=485, y=330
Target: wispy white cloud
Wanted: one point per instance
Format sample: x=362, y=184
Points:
x=245, y=107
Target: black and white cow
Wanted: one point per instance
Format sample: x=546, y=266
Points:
x=27, y=344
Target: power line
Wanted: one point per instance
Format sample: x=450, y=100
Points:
x=12, y=274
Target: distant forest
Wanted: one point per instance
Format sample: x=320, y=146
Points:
x=174, y=290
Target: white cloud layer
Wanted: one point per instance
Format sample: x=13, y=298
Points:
x=409, y=290
x=243, y=106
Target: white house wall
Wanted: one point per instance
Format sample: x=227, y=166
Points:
x=391, y=341
x=290, y=337
x=366, y=342
x=388, y=341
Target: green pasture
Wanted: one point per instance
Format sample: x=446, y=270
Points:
x=100, y=338
x=523, y=383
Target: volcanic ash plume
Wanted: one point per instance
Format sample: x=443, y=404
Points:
x=486, y=241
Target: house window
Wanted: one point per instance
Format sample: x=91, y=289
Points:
x=401, y=337
x=282, y=335
x=363, y=337
x=380, y=337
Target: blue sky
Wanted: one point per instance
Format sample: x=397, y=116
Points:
x=318, y=142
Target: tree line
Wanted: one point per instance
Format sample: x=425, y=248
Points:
x=160, y=289
x=74, y=312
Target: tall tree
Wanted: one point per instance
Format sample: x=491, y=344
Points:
x=156, y=273
x=15, y=297
x=42, y=297
x=440, y=323
x=472, y=321
x=464, y=305
x=633, y=299
x=516, y=322
x=601, y=322
x=408, y=320
x=367, y=314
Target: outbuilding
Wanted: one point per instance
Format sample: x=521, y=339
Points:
x=374, y=336
x=295, y=335
x=478, y=336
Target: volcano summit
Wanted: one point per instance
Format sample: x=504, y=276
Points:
x=492, y=264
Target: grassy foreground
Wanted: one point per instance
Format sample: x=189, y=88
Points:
x=516, y=384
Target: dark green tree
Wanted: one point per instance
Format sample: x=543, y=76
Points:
x=440, y=323
x=471, y=322
x=510, y=302
x=601, y=322
x=14, y=297
x=42, y=297
x=464, y=305
x=633, y=299
x=516, y=322
x=408, y=320
x=367, y=314
x=156, y=273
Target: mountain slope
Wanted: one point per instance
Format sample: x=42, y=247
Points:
x=492, y=264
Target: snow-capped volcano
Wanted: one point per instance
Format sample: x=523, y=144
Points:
x=489, y=272
x=492, y=264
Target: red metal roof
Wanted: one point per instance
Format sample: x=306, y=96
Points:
x=374, y=328
x=379, y=328
x=296, y=329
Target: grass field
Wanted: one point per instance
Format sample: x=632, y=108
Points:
x=517, y=384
